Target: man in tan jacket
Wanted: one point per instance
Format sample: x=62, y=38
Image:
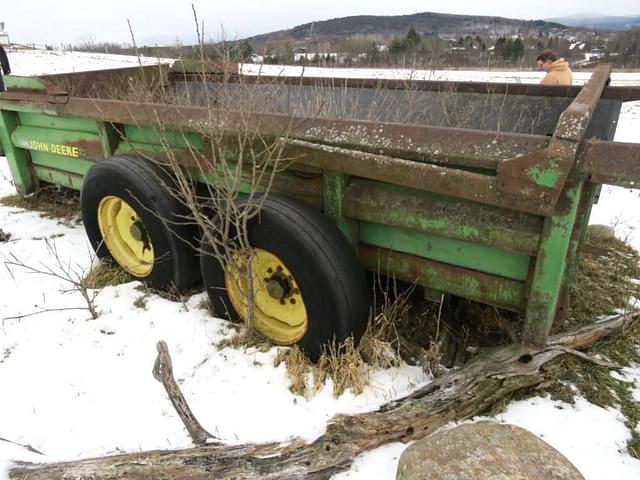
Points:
x=558, y=71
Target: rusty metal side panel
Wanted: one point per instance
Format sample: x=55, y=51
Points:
x=476, y=286
x=58, y=177
x=387, y=204
x=467, y=255
x=78, y=166
x=112, y=83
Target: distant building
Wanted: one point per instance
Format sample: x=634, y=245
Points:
x=4, y=36
x=319, y=56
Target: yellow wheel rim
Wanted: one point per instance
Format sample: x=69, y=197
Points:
x=125, y=236
x=279, y=310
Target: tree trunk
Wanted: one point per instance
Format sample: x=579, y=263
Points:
x=459, y=395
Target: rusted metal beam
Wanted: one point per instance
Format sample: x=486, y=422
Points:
x=611, y=163
x=453, y=146
x=476, y=286
x=447, y=181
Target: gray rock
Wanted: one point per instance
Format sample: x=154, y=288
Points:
x=484, y=451
x=601, y=232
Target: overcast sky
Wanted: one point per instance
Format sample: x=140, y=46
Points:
x=76, y=21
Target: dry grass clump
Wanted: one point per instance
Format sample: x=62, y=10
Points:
x=140, y=302
x=345, y=365
x=298, y=367
x=488, y=326
x=4, y=236
x=244, y=337
x=383, y=345
x=342, y=364
x=106, y=273
x=52, y=201
x=606, y=281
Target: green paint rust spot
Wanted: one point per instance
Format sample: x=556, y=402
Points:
x=545, y=176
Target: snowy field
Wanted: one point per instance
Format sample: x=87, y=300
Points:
x=43, y=62
x=73, y=387
x=621, y=78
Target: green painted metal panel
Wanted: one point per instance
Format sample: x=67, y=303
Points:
x=151, y=149
x=244, y=187
x=455, y=252
x=57, y=177
x=550, y=267
x=334, y=186
x=29, y=119
x=30, y=83
x=110, y=136
x=19, y=160
x=78, y=166
x=174, y=138
x=378, y=202
x=58, y=142
x=23, y=135
x=28, y=107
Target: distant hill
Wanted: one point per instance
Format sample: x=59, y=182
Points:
x=600, y=22
x=390, y=26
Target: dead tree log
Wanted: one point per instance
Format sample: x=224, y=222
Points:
x=163, y=372
x=458, y=395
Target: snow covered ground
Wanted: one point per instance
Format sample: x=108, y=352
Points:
x=73, y=387
x=618, y=78
x=41, y=62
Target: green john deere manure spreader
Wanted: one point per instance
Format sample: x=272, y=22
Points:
x=477, y=190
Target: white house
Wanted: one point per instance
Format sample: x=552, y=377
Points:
x=315, y=56
x=4, y=36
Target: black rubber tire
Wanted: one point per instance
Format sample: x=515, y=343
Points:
x=142, y=184
x=331, y=279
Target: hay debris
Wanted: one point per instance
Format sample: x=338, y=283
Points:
x=54, y=202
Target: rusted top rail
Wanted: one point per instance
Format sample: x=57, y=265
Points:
x=214, y=72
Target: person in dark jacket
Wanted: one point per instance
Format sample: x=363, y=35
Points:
x=5, y=69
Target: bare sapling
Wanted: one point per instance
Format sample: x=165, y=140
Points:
x=72, y=275
x=221, y=175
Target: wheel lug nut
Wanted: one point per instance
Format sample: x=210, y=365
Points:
x=282, y=302
x=292, y=301
x=279, y=268
x=269, y=270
